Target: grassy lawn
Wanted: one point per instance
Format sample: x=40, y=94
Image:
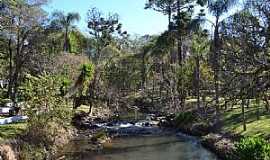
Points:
x=233, y=122
x=232, y=119
x=11, y=130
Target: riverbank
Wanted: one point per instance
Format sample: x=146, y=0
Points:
x=35, y=144
x=98, y=131
x=215, y=137
x=129, y=141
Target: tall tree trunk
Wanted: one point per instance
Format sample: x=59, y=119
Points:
x=143, y=72
x=65, y=49
x=198, y=82
x=180, y=56
x=216, y=66
x=169, y=19
x=153, y=90
x=10, y=84
x=267, y=104
x=258, y=108
x=15, y=85
x=243, y=115
x=181, y=83
x=92, y=92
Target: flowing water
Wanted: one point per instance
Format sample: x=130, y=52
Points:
x=142, y=148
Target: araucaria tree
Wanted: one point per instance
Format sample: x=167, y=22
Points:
x=218, y=8
x=102, y=29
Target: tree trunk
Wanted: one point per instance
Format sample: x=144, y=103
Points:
x=198, y=82
x=169, y=19
x=243, y=115
x=267, y=105
x=180, y=56
x=15, y=86
x=153, y=90
x=216, y=67
x=143, y=72
x=65, y=49
x=258, y=108
x=10, y=84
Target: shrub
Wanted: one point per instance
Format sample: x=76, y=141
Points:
x=184, y=118
x=253, y=148
x=49, y=117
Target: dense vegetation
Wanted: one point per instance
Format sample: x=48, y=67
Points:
x=213, y=72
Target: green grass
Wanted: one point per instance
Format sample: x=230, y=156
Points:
x=11, y=130
x=232, y=119
x=233, y=122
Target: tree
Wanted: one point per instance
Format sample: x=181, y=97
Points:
x=65, y=22
x=22, y=28
x=199, y=48
x=102, y=30
x=217, y=8
x=167, y=7
x=184, y=26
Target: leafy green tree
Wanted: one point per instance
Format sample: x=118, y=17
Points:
x=78, y=42
x=83, y=80
x=23, y=26
x=199, y=48
x=102, y=30
x=218, y=8
x=49, y=116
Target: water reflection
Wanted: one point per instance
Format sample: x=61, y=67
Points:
x=143, y=148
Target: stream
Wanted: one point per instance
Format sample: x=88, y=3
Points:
x=150, y=147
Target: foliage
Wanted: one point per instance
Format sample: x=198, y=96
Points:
x=103, y=29
x=253, y=148
x=48, y=112
x=31, y=152
x=42, y=95
x=77, y=41
x=65, y=22
x=87, y=74
x=184, y=118
x=87, y=71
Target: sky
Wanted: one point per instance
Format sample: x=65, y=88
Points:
x=133, y=16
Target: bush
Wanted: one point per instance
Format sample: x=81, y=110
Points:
x=184, y=118
x=253, y=148
x=49, y=117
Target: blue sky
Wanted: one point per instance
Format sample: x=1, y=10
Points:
x=133, y=16
x=135, y=19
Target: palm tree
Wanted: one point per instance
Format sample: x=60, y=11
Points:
x=65, y=22
x=218, y=8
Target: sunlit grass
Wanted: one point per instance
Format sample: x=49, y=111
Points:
x=12, y=130
x=233, y=122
